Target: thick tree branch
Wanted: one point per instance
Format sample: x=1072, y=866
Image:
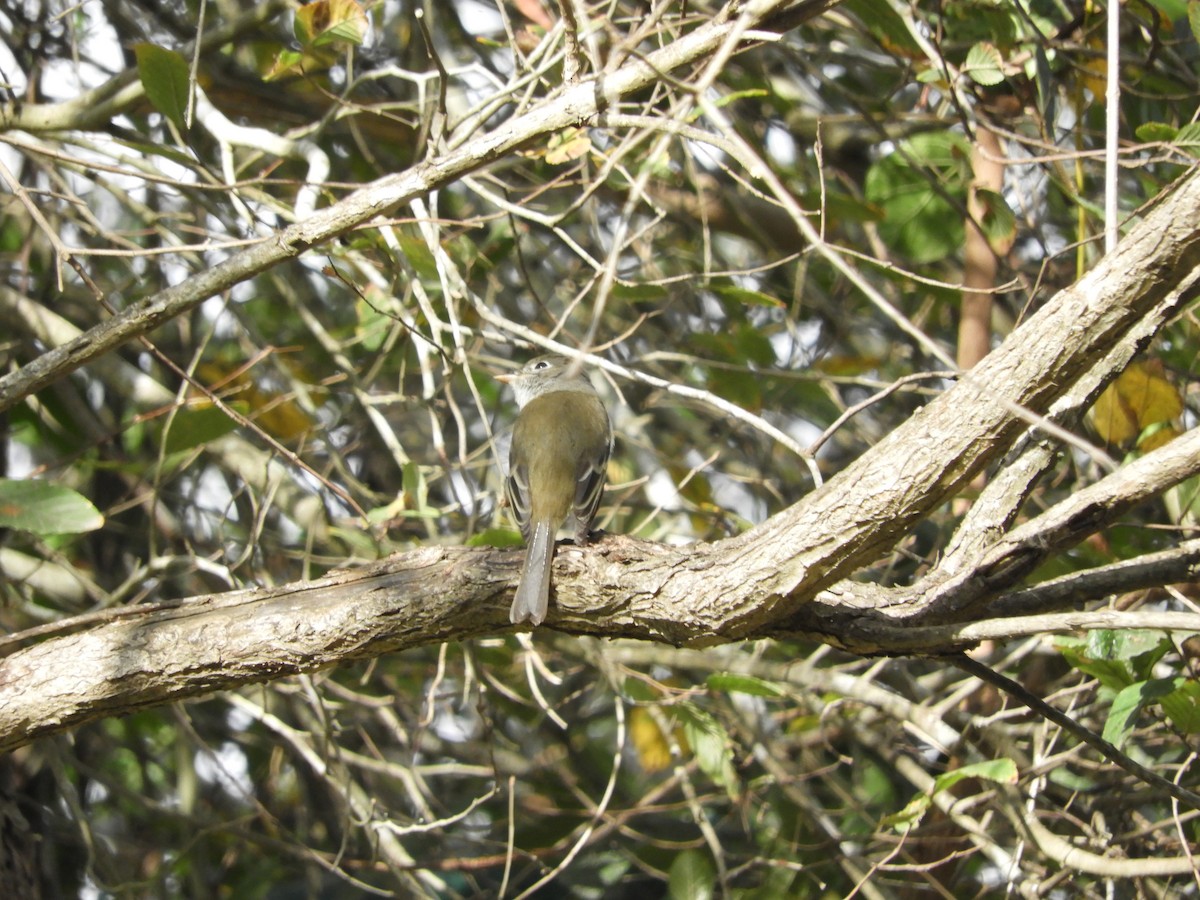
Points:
x=788, y=576
x=767, y=582
x=1086, y=511
x=860, y=513
x=223, y=641
x=1001, y=500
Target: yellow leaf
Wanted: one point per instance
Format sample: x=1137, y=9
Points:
x=277, y=413
x=567, y=145
x=1114, y=422
x=1157, y=437
x=653, y=748
x=654, y=753
x=330, y=21
x=1141, y=397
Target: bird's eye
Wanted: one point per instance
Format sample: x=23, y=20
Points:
x=541, y=364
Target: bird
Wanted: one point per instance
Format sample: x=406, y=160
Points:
x=557, y=466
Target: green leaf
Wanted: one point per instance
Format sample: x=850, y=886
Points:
x=1193, y=16
x=919, y=220
x=416, y=253
x=1182, y=705
x=1113, y=674
x=286, y=63
x=728, y=682
x=43, y=508
x=839, y=207
x=1124, y=643
x=1173, y=10
x=411, y=503
x=1188, y=138
x=882, y=20
x=910, y=815
x=1133, y=699
x=637, y=690
x=711, y=745
x=359, y=543
x=874, y=785
x=1156, y=131
x=741, y=388
x=165, y=77
x=1064, y=777
x=1183, y=502
x=372, y=320
x=1038, y=69
x=1144, y=660
x=948, y=153
x=984, y=64
x=1101, y=644
x=753, y=345
x=496, y=537
x=1123, y=713
x=1001, y=771
x=693, y=876
x=741, y=95
x=746, y=296
x=195, y=426
x=12, y=235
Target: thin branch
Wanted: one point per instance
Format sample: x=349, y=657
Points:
x=1083, y=513
x=96, y=107
x=1018, y=691
x=576, y=105
x=900, y=639
x=1178, y=565
x=1112, y=122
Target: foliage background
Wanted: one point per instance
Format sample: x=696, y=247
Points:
x=355, y=418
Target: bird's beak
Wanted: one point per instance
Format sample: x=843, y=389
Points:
x=506, y=377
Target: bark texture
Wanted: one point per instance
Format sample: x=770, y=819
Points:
x=791, y=575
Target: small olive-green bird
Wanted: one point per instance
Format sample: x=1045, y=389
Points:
x=556, y=468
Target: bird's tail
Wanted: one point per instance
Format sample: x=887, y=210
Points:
x=533, y=590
